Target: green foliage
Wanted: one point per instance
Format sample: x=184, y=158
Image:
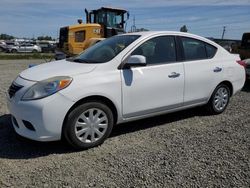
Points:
x=6, y=37
x=141, y=29
x=184, y=28
x=44, y=38
x=10, y=56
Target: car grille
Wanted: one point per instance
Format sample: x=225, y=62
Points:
x=13, y=89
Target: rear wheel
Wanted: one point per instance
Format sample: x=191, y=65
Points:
x=88, y=125
x=34, y=51
x=219, y=99
x=14, y=51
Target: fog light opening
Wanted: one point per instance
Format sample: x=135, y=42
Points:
x=28, y=125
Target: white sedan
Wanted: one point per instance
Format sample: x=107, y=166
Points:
x=123, y=78
x=25, y=48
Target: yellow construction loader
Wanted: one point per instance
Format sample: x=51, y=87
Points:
x=101, y=23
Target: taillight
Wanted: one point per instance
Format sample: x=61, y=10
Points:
x=242, y=63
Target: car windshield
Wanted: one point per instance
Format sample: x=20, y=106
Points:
x=106, y=50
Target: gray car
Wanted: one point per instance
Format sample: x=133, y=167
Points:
x=25, y=48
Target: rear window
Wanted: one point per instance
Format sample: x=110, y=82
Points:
x=79, y=36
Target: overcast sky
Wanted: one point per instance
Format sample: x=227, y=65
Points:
x=32, y=18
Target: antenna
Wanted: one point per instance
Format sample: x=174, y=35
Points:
x=223, y=33
x=133, y=27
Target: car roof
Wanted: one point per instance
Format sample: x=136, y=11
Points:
x=155, y=33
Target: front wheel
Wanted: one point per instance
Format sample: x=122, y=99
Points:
x=88, y=125
x=219, y=99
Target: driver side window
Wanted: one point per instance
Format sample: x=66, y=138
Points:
x=159, y=50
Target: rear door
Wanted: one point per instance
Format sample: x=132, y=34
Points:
x=29, y=47
x=202, y=71
x=22, y=48
x=159, y=85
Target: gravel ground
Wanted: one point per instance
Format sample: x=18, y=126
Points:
x=183, y=149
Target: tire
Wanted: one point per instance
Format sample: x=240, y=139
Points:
x=14, y=51
x=80, y=128
x=34, y=51
x=219, y=99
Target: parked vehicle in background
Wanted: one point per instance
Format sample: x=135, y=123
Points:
x=25, y=48
x=2, y=46
x=120, y=79
x=247, y=62
x=47, y=47
x=227, y=43
x=10, y=44
x=244, y=48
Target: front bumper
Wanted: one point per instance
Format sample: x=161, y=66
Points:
x=45, y=115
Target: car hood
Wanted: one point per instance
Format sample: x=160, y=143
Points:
x=56, y=68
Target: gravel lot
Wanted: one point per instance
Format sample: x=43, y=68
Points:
x=184, y=149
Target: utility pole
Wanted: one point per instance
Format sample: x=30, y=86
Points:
x=133, y=27
x=223, y=33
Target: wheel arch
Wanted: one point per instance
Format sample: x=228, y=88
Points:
x=229, y=85
x=94, y=98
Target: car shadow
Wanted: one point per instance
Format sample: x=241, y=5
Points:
x=157, y=121
x=13, y=146
x=246, y=87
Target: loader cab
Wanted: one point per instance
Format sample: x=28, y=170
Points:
x=112, y=20
x=101, y=23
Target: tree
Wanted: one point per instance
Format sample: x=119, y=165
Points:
x=141, y=29
x=44, y=38
x=6, y=37
x=184, y=28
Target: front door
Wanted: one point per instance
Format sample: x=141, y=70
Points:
x=159, y=85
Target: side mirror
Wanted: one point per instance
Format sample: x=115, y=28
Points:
x=136, y=60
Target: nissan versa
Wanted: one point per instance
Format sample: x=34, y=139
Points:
x=123, y=78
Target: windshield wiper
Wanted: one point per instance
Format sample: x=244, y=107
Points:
x=78, y=60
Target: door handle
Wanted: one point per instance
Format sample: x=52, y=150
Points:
x=174, y=75
x=217, y=69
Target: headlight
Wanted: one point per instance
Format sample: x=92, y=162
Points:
x=46, y=88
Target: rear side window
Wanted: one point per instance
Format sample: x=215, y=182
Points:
x=158, y=50
x=79, y=36
x=195, y=49
x=211, y=50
